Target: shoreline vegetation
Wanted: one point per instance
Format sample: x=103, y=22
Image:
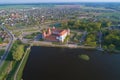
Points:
x=19, y=72
x=49, y=44
x=8, y=69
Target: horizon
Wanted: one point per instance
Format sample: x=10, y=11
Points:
x=54, y=1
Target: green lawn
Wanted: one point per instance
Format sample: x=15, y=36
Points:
x=4, y=69
x=2, y=52
x=12, y=72
x=20, y=72
x=9, y=67
x=31, y=36
x=17, y=33
x=15, y=65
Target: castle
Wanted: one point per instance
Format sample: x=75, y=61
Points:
x=56, y=35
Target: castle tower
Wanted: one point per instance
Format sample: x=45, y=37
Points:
x=49, y=31
x=44, y=34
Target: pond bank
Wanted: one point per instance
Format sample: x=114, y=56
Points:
x=50, y=44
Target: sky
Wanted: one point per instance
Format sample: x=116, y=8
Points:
x=35, y=1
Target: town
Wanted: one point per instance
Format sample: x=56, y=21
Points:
x=55, y=25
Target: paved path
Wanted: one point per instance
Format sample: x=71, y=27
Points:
x=83, y=37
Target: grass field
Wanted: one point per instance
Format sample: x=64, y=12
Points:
x=2, y=52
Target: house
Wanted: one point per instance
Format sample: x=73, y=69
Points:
x=56, y=35
x=14, y=15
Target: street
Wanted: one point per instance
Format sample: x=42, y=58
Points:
x=83, y=37
x=8, y=47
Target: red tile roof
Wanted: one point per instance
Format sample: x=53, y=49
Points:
x=60, y=32
x=55, y=33
x=63, y=32
x=51, y=38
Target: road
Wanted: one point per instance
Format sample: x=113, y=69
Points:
x=8, y=46
x=34, y=29
x=100, y=37
x=100, y=40
x=83, y=37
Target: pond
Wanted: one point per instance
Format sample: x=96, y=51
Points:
x=51, y=63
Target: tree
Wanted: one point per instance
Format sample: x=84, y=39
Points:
x=0, y=40
x=71, y=23
x=94, y=44
x=92, y=36
x=108, y=24
x=98, y=26
x=77, y=24
x=88, y=41
x=105, y=47
x=18, y=53
x=111, y=47
x=64, y=24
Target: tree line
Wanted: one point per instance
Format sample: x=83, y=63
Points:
x=85, y=24
x=17, y=51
